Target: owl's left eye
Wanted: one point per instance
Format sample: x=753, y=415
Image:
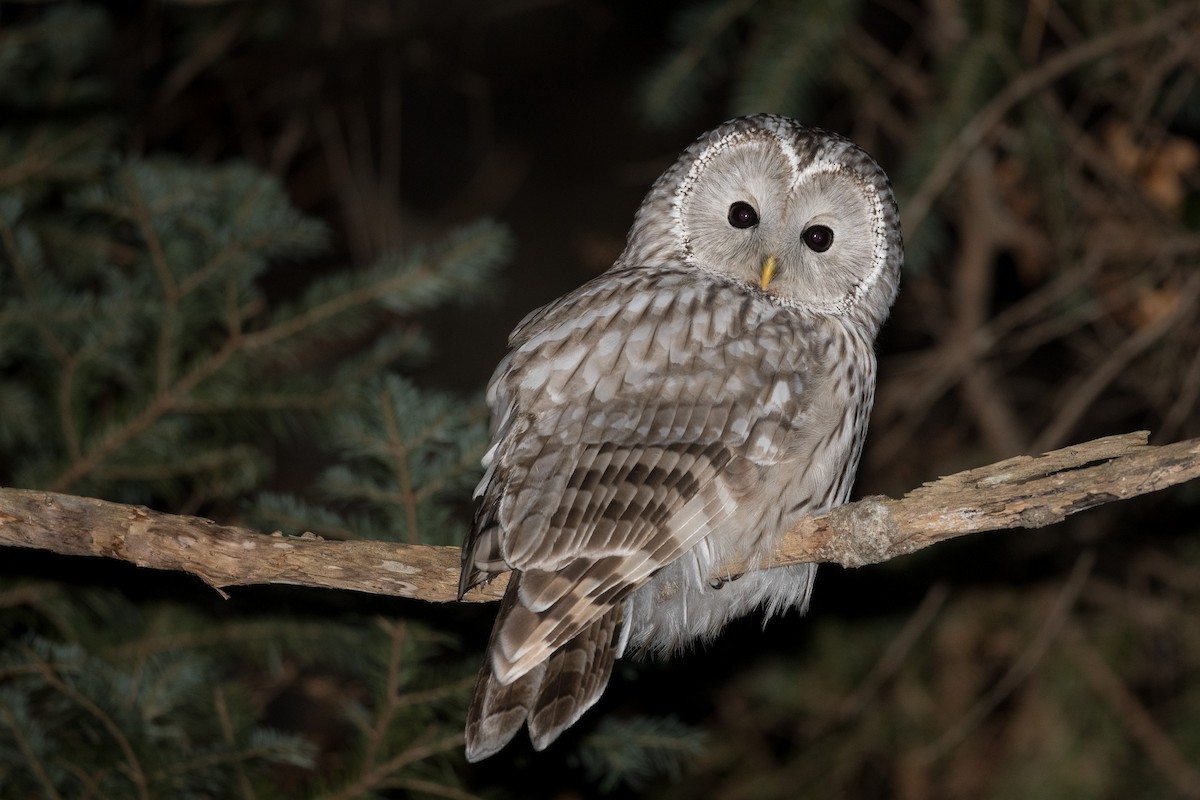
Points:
x=742, y=215
x=819, y=238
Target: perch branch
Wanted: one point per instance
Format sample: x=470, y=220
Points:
x=1022, y=492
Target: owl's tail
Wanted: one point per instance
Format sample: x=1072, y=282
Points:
x=552, y=696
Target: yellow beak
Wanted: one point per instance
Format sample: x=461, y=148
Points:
x=768, y=271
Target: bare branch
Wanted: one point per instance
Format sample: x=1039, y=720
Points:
x=1022, y=492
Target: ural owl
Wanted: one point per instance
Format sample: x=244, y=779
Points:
x=678, y=413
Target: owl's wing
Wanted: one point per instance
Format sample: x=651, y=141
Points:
x=630, y=418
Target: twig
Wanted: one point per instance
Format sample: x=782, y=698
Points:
x=1025, y=665
x=986, y=227
x=1022, y=492
x=989, y=117
x=1163, y=752
x=1081, y=396
x=853, y=705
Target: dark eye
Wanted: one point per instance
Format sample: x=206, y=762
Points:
x=818, y=237
x=742, y=215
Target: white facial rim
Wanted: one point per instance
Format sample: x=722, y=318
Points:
x=878, y=227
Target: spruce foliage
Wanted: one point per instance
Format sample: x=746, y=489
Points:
x=143, y=361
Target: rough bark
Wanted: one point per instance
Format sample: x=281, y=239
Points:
x=1022, y=492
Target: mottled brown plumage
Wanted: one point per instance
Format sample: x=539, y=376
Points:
x=677, y=412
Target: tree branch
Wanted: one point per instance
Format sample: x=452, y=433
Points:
x=1022, y=492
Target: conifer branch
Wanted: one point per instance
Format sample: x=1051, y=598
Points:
x=1021, y=492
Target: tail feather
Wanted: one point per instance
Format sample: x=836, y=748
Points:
x=498, y=710
x=550, y=697
x=574, y=679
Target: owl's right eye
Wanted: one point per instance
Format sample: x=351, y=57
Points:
x=742, y=215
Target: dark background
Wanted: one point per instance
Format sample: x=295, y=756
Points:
x=1050, y=297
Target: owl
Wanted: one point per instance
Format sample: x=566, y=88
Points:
x=678, y=413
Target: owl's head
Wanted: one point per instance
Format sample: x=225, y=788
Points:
x=797, y=213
